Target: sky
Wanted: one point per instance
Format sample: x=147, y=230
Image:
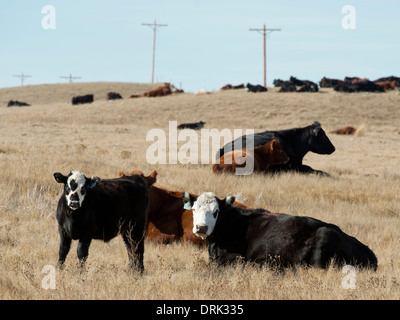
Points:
x=205, y=45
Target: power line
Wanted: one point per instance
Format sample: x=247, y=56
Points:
x=154, y=26
x=22, y=76
x=70, y=77
x=264, y=31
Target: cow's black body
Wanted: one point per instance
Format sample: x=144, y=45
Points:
x=286, y=241
x=82, y=99
x=361, y=86
x=256, y=88
x=113, y=206
x=295, y=142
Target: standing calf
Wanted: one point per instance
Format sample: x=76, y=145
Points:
x=91, y=208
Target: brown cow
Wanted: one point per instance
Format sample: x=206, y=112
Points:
x=263, y=156
x=345, y=130
x=387, y=85
x=355, y=80
x=229, y=86
x=168, y=221
x=160, y=91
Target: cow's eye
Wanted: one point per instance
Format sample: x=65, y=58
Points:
x=67, y=189
x=215, y=214
x=83, y=191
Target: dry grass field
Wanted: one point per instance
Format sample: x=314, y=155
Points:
x=362, y=196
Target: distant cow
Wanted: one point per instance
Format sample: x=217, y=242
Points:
x=16, y=103
x=262, y=158
x=160, y=91
x=306, y=85
x=361, y=86
x=113, y=96
x=168, y=220
x=388, y=85
x=287, y=86
x=91, y=208
x=194, y=126
x=388, y=79
x=278, y=82
x=295, y=142
x=329, y=83
x=345, y=131
x=229, y=87
x=277, y=239
x=256, y=88
x=82, y=99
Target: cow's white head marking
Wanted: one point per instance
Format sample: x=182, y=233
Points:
x=75, y=187
x=205, y=208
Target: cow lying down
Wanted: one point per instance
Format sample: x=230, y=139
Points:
x=94, y=208
x=262, y=237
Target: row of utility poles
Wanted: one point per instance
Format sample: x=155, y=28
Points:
x=264, y=31
x=22, y=76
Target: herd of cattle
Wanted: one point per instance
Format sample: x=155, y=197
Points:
x=349, y=84
x=134, y=207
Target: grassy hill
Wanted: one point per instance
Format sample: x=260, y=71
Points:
x=52, y=93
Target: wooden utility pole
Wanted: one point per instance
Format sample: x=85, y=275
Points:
x=22, y=76
x=70, y=77
x=264, y=31
x=154, y=26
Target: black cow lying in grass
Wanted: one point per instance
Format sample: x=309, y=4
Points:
x=256, y=88
x=82, y=99
x=90, y=208
x=295, y=142
x=16, y=103
x=259, y=236
x=361, y=86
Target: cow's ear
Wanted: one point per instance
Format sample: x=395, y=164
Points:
x=229, y=200
x=91, y=183
x=274, y=144
x=188, y=200
x=152, y=178
x=60, y=178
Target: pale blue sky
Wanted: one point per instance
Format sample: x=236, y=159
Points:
x=206, y=44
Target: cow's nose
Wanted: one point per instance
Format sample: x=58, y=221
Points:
x=201, y=229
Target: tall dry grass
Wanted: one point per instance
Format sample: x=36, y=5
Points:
x=362, y=197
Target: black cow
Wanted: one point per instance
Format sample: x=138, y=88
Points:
x=113, y=96
x=295, y=142
x=256, y=88
x=287, y=86
x=194, y=126
x=389, y=79
x=16, y=103
x=361, y=86
x=82, y=99
x=277, y=239
x=90, y=208
x=278, y=82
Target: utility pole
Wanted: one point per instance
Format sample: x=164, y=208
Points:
x=264, y=31
x=154, y=26
x=22, y=76
x=70, y=77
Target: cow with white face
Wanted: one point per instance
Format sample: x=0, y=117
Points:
x=94, y=208
x=260, y=236
x=75, y=187
x=205, y=210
